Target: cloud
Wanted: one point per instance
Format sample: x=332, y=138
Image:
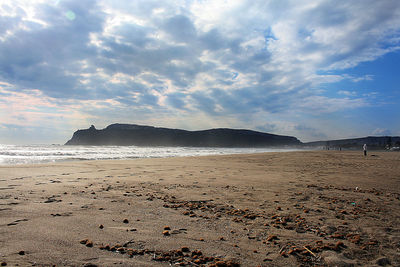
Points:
x=323, y=104
x=381, y=131
x=347, y=93
x=214, y=58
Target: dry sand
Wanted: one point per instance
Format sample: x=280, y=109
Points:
x=273, y=209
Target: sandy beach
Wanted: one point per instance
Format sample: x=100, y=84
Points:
x=324, y=208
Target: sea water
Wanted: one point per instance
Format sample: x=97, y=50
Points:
x=32, y=154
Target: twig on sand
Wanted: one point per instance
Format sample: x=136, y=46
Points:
x=312, y=253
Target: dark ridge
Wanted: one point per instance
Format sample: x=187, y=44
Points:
x=138, y=135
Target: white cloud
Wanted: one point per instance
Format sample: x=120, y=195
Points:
x=322, y=104
x=215, y=58
x=381, y=131
x=347, y=93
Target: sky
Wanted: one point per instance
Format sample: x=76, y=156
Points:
x=317, y=70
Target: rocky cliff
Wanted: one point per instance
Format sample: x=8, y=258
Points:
x=131, y=134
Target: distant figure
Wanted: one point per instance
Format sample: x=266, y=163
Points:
x=365, y=149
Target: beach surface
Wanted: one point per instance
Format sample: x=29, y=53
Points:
x=325, y=208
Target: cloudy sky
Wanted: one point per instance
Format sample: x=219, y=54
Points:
x=316, y=70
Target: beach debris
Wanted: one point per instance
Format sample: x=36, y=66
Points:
x=271, y=238
x=206, y=206
x=86, y=242
x=165, y=233
x=383, y=261
x=21, y=252
x=185, y=249
x=180, y=257
x=101, y=226
x=309, y=251
x=125, y=221
x=167, y=228
x=53, y=199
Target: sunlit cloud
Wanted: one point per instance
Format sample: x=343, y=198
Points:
x=231, y=63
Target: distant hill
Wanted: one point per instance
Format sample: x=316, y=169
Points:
x=131, y=134
x=373, y=142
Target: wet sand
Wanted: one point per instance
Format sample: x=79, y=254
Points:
x=325, y=208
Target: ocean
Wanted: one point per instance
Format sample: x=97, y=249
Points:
x=32, y=154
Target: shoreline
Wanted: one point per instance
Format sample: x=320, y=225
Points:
x=250, y=209
x=272, y=150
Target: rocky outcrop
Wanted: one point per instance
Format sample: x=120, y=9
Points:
x=131, y=134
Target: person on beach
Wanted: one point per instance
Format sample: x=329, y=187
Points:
x=365, y=149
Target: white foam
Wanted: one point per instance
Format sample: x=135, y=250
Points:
x=27, y=154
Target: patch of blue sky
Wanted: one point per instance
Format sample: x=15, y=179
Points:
x=380, y=77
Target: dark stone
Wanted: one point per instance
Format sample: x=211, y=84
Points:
x=383, y=261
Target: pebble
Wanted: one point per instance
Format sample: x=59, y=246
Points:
x=101, y=226
x=125, y=221
x=86, y=242
x=4, y=263
x=21, y=252
x=272, y=238
x=166, y=232
x=185, y=249
x=383, y=261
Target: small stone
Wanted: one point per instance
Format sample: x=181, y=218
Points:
x=167, y=228
x=125, y=221
x=89, y=244
x=4, y=263
x=185, y=249
x=383, y=261
x=121, y=250
x=21, y=252
x=166, y=233
x=272, y=238
x=101, y=226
